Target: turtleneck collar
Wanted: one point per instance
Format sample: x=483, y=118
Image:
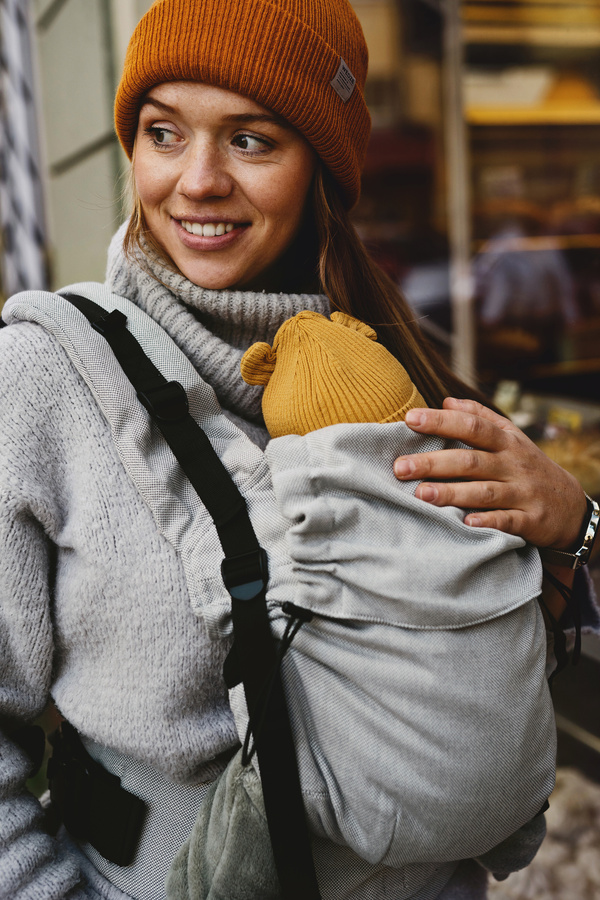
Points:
x=213, y=328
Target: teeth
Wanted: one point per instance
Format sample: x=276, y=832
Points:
x=212, y=229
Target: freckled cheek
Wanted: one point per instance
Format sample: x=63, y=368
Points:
x=152, y=186
x=284, y=202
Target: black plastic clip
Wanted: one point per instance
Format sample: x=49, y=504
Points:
x=90, y=800
x=167, y=403
x=109, y=323
x=297, y=612
x=246, y=576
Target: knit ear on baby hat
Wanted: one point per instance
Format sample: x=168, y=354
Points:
x=258, y=363
x=341, y=318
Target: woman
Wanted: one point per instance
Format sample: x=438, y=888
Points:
x=247, y=128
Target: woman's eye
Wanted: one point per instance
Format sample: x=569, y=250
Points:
x=250, y=144
x=161, y=137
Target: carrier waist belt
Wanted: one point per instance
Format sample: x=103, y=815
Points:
x=171, y=813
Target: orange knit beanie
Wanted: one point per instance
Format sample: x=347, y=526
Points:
x=305, y=60
x=322, y=372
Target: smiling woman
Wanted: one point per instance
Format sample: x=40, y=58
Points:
x=222, y=183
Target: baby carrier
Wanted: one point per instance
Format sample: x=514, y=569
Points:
x=388, y=668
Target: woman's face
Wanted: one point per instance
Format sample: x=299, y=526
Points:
x=222, y=181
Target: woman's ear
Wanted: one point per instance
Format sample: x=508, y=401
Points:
x=341, y=318
x=258, y=363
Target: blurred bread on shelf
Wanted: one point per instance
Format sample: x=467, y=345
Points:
x=514, y=86
x=579, y=454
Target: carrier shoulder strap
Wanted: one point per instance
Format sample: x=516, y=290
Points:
x=245, y=574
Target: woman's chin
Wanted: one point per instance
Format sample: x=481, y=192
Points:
x=212, y=282
x=214, y=279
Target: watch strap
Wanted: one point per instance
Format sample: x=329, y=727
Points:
x=581, y=556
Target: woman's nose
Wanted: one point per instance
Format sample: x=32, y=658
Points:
x=205, y=175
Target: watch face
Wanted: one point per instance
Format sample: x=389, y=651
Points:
x=590, y=535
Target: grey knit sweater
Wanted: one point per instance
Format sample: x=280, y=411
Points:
x=94, y=608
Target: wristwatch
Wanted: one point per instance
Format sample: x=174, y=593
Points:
x=587, y=536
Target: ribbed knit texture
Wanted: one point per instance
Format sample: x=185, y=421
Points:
x=283, y=54
x=324, y=371
x=213, y=328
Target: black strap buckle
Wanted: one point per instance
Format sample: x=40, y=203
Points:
x=109, y=323
x=91, y=802
x=166, y=403
x=246, y=576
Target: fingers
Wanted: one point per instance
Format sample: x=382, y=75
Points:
x=498, y=505
x=511, y=521
x=470, y=427
x=501, y=473
x=467, y=464
x=545, y=514
x=477, y=409
x=480, y=495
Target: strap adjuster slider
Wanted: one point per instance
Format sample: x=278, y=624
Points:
x=246, y=576
x=109, y=323
x=166, y=403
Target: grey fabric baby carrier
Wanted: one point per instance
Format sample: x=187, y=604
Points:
x=415, y=688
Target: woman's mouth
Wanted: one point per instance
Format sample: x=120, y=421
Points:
x=204, y=236
x=210, y=229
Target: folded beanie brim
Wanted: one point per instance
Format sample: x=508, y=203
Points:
x=416, y=401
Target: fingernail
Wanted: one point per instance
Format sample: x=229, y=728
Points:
x=413, y=417
x=475, y=522
x=404, y=467
x=428, y=493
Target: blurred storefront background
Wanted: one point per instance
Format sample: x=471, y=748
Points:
x=481, y=198
x=481, y=190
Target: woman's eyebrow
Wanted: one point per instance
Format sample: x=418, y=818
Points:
x=257, y=118
x=164, y=107
x=239, y=118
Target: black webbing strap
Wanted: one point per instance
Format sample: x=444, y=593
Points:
x=245, y=574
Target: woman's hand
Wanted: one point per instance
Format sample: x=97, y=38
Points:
x=514, y=486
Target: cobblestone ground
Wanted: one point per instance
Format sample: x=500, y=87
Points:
x=567, y=866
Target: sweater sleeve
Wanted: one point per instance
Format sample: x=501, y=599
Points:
x=31, y=865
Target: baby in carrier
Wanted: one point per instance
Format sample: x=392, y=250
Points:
x=430, y=735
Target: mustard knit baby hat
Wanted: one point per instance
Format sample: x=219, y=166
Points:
x=323, y=371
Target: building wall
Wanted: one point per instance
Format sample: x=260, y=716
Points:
x=80, y=47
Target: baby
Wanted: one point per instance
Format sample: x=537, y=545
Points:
x=368, y=555
x=323, y=372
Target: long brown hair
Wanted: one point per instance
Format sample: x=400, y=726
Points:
x=334, y=260
x=355, y=284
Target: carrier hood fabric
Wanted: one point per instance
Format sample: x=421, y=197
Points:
x=417, y=694
x=427, y=630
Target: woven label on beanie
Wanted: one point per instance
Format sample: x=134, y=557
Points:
x=344, y=82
